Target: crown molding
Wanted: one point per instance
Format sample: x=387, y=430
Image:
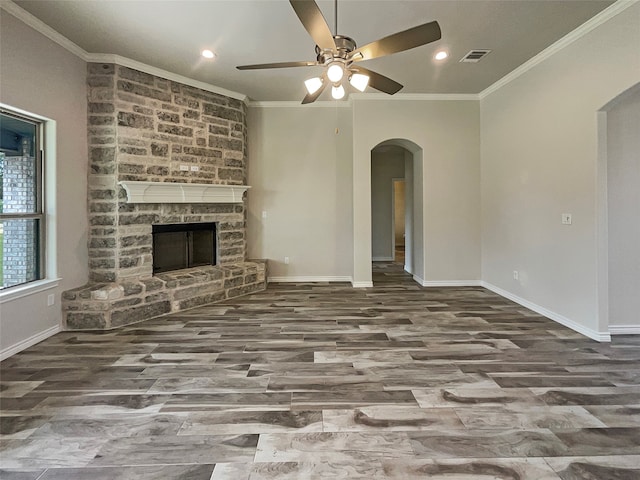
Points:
x=297, y=104
x=368, y=97
x=159, y=72
x=41, y=27
x=594, y=22
x=416, y=96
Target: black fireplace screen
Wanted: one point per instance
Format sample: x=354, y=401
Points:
x=183, y=245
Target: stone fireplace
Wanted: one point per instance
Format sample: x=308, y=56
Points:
x=160, y=153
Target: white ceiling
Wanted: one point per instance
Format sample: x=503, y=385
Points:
x=170, y=35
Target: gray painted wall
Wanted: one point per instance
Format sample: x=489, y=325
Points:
x=387, y=163
x=300, y=172
x=623, y=191
x=399, y=211
x=448, y=132
x=539, y=160
x=41, y=77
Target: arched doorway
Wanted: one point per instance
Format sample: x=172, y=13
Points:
x=618, y=219
x=412, y=173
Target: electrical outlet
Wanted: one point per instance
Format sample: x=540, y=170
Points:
x=51, y=300
x=286, y=260
x=195, y=168
x=184, y=168
x=515, y=275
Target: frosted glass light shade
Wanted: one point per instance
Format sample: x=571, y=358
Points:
x=335, y=72
x=313, y=85
x=359, y=81
x=337, y=92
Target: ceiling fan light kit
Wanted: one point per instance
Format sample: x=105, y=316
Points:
x=335, y=72
x=337, y=92
x=313, y=84
x=339, y=54
x=359, y=81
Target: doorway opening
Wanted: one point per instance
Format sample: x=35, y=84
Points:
x=618, y=220
x=399, y=220
x=396, y=211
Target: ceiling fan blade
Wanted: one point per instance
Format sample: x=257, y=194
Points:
x=313, y=21
x=312, y=97
x=261, y=66
x=378, y=81
x=398, y=42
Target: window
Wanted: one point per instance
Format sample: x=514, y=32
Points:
x=22, y=219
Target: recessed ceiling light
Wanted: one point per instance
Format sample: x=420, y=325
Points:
x=441, y=55
x=208, y=54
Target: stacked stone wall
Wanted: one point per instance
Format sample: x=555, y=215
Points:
x=146, y=128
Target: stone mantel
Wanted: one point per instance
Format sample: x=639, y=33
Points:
x=171, y=192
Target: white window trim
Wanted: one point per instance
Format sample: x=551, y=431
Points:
x=51, y=279
x=26, y=289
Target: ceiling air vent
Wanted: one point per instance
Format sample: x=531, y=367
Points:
x=474, y=56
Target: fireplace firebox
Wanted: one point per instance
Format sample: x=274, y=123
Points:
x=183, y=245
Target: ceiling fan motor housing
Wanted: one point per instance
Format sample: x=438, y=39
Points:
x=344, y=46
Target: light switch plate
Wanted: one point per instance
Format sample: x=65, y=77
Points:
x=566, y=219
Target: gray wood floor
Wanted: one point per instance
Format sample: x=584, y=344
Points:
x=326, y=381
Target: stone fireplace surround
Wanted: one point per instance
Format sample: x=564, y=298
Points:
x=144, y=130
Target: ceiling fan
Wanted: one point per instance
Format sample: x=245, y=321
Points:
x=341, y=56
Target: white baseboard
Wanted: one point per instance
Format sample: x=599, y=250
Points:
x=32, y=340
x=447, y=283
x=382, y=259
x=450, y=283
x=593, y=334
x=361, y=284
x=309, y=279
x=624, y=329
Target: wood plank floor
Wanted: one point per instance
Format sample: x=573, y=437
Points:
x=315, y=381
